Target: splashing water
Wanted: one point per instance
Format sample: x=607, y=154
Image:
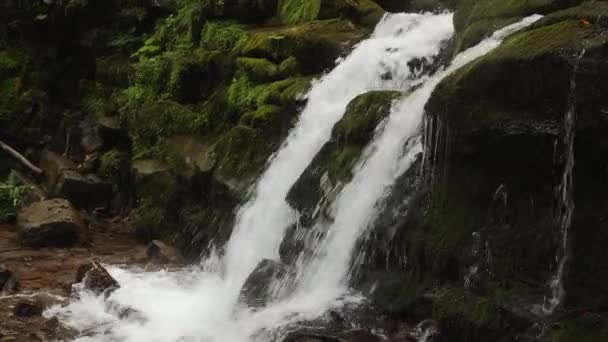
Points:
x=201, y=303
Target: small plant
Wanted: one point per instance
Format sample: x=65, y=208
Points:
x=12, y=196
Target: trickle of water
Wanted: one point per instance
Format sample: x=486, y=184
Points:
x=565, y=197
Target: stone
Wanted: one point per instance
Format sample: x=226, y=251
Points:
x=28, y=308
x=50, y=223
x=53, y=164
x=95, y=278
x=84, y=191
x=256, y=290
x=161, y=252
x=8, y=281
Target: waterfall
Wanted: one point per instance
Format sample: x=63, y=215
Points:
x=392, y=152
x=565, y=196
x=201, y=303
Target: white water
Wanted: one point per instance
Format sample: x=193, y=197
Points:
x=389, y=156
x=201, y=303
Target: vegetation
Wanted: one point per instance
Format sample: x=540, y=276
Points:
x=12, y=196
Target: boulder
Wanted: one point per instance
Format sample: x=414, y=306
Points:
x=95, y=278
x=160, y=252
x=474, y=20
x=84, y=191
x=50, y=223
x=53, y=164
x=332, y=166
x=8, y=281
x=256, y=289
x=28, y=308
x=62, y=179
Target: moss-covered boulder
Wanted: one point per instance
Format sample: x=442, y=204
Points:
x=475, y=20
x=332, y=166
x=314, y=44
x=489, y=218
x=365, y=12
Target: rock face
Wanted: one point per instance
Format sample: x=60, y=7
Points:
x=96, y=278
x=51, y=223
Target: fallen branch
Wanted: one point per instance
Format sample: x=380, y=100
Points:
x=20, y=158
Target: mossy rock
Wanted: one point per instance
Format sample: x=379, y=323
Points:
x=245, y=96
x=365, y=12
x=314, y=44
x=258, y=70
x=526, y=79
x=269, y=118
x=362, y=116
x=333, y=165
x=241, y=155
x=474, y=20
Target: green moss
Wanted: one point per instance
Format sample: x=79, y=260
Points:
x=153, y=73
x=193, y=75
x=284, y=92
x=151, y=48
x=476, y=19
x=266, y=117
x=362, y=116
x=289, y=67
x=147, y=219
x=480, y=30
x=542, y=40
x=298, y=11
x=244, y=95
x=242, y=152
x=111, y=165
x=314, y=44
x=222, y=36
x=258, y=70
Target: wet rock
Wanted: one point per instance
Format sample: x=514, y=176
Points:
x=8, y=281
x=95, y=278
x=84, y=191
x=53, y=164
x=256, y=289
x=160, y=252
x=332, y=166
x=62, y=179
x=51, y=223
x=28, y=308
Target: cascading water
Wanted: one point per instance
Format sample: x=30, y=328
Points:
x=201, y=303
x=565, y=196
x=390, y=155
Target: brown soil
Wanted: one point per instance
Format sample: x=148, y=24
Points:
x=45, y=276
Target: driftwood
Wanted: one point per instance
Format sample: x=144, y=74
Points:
x=21, y=159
